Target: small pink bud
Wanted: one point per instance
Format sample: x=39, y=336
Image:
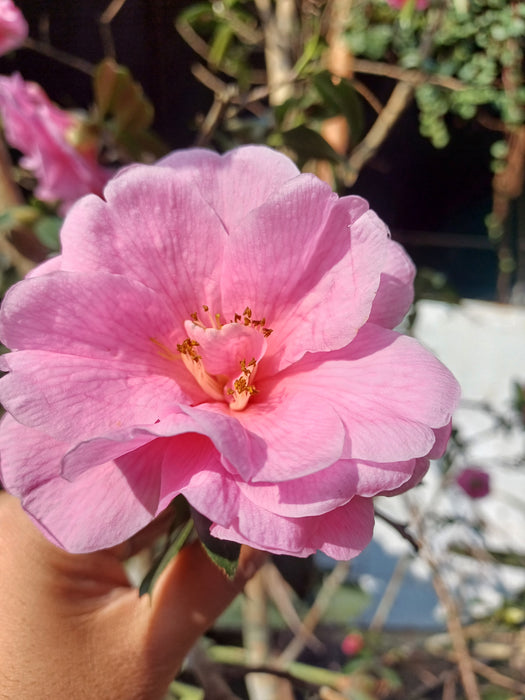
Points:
x=352, y=644
x=474, y=482
x=13, y=27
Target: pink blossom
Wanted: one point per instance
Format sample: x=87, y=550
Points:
x=475, y=482
x=218, y=327
x=45, y=135
x=352, y=644
x=399, y=4
x=13, y=27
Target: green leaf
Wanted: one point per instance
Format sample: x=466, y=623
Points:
x=194, y=13
x=117, y=94
x=47, y=230
x=308, y=144
x=180, y=531
x=183, y=691
x=342, y=98
x=20, y=215
x=219, y=45
x=223, y=553
x=308, y=54
x=407, y=13
x=7, y=221
x=108, y=80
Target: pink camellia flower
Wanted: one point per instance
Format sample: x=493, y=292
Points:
x=218, y=327
x=475, y=482
x=13, y=27
x=45, y=134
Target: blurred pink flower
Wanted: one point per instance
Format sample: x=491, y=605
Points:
x=474, y=482
x=45, y=135
x=218, y=327
x=399, y=4
x=352, y=644
x=13, y=27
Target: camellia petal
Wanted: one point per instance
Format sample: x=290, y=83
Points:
x=13, y=27
x=44, y=134
x=218, y=327
x=65, y=511
x=232, y=183
x=395, y=293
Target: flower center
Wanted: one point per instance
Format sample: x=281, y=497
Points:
x=223, y=358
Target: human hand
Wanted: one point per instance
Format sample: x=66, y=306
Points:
x=72, y=627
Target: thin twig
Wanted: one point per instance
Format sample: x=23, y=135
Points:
x=310, y=621
x=491, y=674
x=223, y=96
x=64, y=57
x=400, y=528
x=367, y=95
x=112, y=11
x=397, y=103
x=427, y=687
x=277, y=29
x=304, y=675
x=208, y=674
x=407, y=75
x=453, y=620
x=463, y=658
x=497, y=678
x=208, y=79
x=281, y=594
x=391, y=592
x=106, y=33
x=256, y=637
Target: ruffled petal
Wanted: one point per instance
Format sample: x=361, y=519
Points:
x=104, y=507
x=91, y=315
x=341, y=533
x=90, y=397
x=303, y=434
x=126, y=441
x=330, y=488
x=156, y=228
x=389, y=392
x=396, y=288
x=421, y=466
x=307, y=263
x=236, y=182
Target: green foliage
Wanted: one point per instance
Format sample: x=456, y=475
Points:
x=47, y=229
x=123, y=114
x=223, y=553
x=179, y=533
x=477, y=42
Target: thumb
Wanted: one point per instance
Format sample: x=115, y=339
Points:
x=189, y=595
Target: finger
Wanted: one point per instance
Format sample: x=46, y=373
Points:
x=190, y=594
x=37, y=565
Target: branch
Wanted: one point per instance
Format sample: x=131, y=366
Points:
x=64, y=57
x=397, y=103
x=463, y=658
x=407, y=75
x=277, y=30
x=400, y=528
x=330, y=585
